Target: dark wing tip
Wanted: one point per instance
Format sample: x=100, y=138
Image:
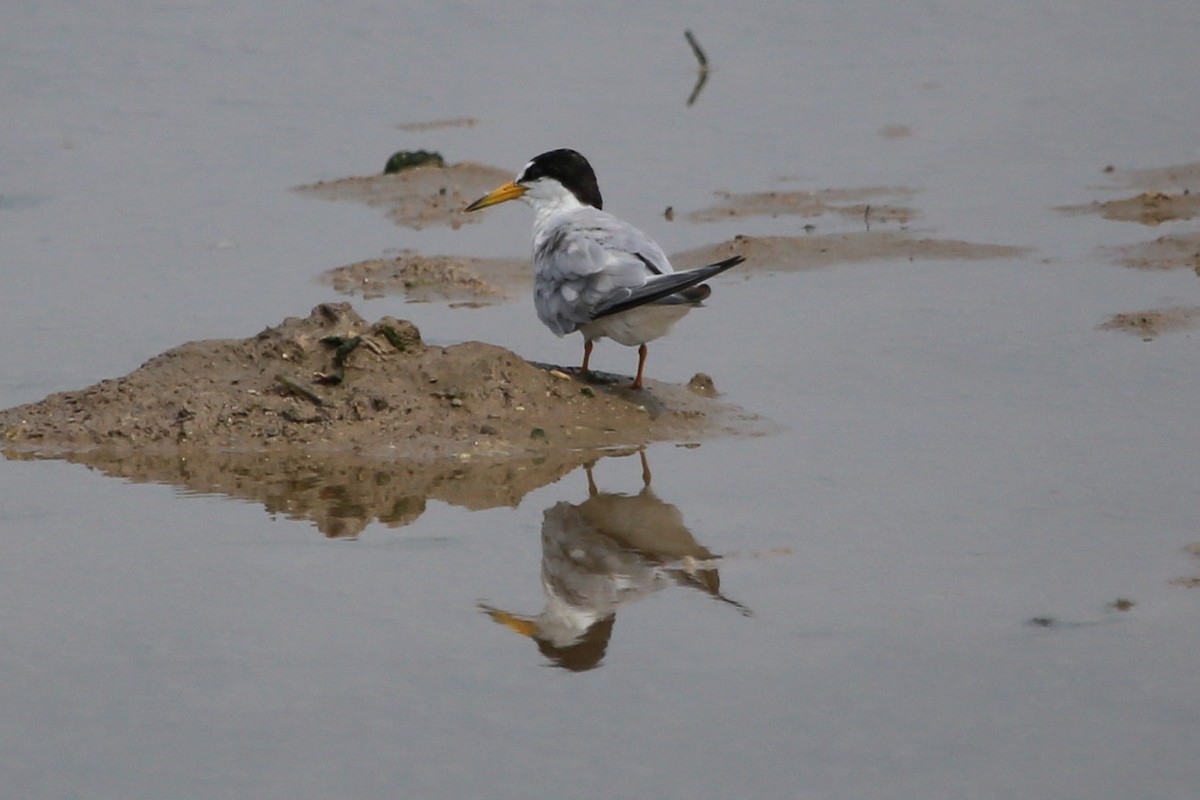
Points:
x=729, y=262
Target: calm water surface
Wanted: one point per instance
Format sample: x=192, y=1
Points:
x=960, y=452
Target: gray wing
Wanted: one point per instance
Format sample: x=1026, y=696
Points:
x=588, y=262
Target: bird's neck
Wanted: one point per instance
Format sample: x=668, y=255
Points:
x=551, y=212
x=561, y=202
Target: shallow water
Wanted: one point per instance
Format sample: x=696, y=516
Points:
x=961, y=450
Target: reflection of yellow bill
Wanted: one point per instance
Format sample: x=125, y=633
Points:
x=522, y=625
x=502, y=194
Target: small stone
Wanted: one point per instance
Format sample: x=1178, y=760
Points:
x=702, y=385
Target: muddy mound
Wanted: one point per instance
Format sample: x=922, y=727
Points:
x=332, y=383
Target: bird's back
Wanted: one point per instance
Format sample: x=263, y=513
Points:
x=582, y=257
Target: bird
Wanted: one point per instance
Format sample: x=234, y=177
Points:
x=601, y=555
x=595, y=273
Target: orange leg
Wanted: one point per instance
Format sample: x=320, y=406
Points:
x=637, y=382
x=592, y=490
x=587, y=354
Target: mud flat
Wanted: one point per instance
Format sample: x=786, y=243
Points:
x=1167, y=195
x=850, y=203
x=425, y=279
x=815, y=251
x=417, y=197
x=1155, y=321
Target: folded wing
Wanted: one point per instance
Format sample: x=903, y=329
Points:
x=672, y=287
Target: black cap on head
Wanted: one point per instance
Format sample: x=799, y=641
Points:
x=570, y=169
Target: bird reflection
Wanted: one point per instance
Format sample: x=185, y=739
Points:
x=601, y=554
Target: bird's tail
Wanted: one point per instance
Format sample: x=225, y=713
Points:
x=664, y=286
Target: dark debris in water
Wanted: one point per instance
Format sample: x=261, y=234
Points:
x=1119, y=606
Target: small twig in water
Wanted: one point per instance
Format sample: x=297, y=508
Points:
x=700, y=57
x=696, y=49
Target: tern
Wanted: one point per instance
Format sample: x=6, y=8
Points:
x=593, y=272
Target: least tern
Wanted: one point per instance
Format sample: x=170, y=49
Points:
x=599, y=556
x=594, y=273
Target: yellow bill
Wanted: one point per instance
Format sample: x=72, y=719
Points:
x=509, y=191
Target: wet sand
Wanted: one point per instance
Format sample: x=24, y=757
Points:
x=423, y=279
x=415, y=198
x=1164, y=195
x=1154, y=322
